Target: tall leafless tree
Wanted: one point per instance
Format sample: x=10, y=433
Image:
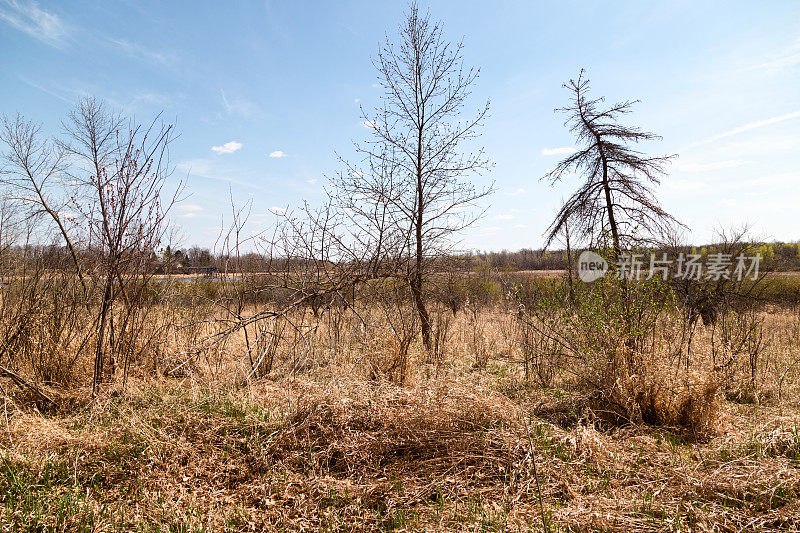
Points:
x=120, y=169
x=616, y=192
x=102, y=186
x=416, y=160
x=34, y=167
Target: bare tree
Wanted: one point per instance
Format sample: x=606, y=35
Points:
x=371, y=227
x=101, y=186
x=119, y=169
x=34, y=168
x=615, y=195
x=415, y=161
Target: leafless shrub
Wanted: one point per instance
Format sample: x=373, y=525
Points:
x=43, y=323
x=441, y=321
x=612, y=347
x=100, y=189
x=739, y=345
x=729, y=305
x=477, y=342
x=391, y=332
x=541, y=357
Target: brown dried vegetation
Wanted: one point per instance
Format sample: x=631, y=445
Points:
x=331, y=445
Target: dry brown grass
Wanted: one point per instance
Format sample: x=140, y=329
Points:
x=454, y=449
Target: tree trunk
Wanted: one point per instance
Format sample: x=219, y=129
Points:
x=571, y=285
x=416, y=285
x=609, y=204
x=99, y=355
x=424, y=317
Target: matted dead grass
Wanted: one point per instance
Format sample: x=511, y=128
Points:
x=459, y=448
x=300, y=454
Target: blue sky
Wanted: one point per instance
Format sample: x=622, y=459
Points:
x=265, y=93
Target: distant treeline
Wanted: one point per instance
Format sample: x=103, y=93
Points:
x=774, y=256
x=778, y=256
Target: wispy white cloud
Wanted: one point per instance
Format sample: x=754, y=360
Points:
x=277, y=210
x=227, y=148
x=504, y=216
x=490, y=230
x=783, y=179
x=210, y=169
x=144, y=53
x=780, y=64
x=785, y=58
x=312, y=181
x=237, y=105
x=745, y=128
x=51, y=92
x=130, y=102
x=189, y=210
x=520, y=226
x=277, y=153
x=28, y=17
x=707, y=167
x=558, y=151
x=685, y=186
x=368, y=124
x=143, y=100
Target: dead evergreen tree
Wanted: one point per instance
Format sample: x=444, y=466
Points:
x=616, y=194
x=417, y=148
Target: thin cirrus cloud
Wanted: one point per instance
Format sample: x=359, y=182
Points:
x=785, y=58
x=491, y=230
x=60, y=94
x=277, y=153
x=727, y=202
x=210, y=169
x=227, y=148
x=28, y=17
x=684, y=186
x=708, y=167
x=745, y=128
x=237, y=105
x=558, y=151
x=189, y=210
x=144, y=53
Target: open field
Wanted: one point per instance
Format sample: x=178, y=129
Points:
x=250, y=282
x=331, y=440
